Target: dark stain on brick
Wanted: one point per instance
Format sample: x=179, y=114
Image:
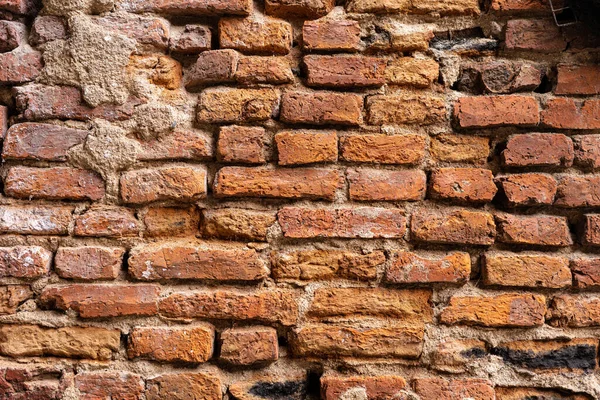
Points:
x=573, y=357
x=292, y=390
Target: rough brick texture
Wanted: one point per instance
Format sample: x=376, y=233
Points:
x=299, y=199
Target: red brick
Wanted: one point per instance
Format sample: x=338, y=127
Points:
x=36, y=382
x=89, y=263
x=256, y=36
x=493, y=111
x=242, y=144
x=109, y=385
x=20, y=66
x=188, y=345
x=23, y=7
x=528, y=189
x=194, y=39
x=298, y=183
x=563, y=113
x=39, y=102
x=185, y=184
x=378, y=185
x=539, y=35
x=345, y=71
x=230, y=105
x=325, y=264
x=107, y=222
x=331, y=35
x=422, y=109
x=463, y=184
x=501, y=311
x=578, y=191
x=453, y=226
x=574, y=311
x=11, y=297
x=383, y=149
x=591, y=232
x=538, y=230
x=415, y=72
x=193, y=262
x=53, y=184
x=306, y=147
x=538, y=150
x=578, y=79
x=47, y=28
x=255, y=70
x=409, y=267
x=248, y=346
x=586, y=273
x=24, y=262
x=99, y=301
x=68, y=342
x=184, y=385
x=361, y=222
x=407, y=305
x=12, y=34
x=321, y=108
x=454, y=389
x=343, y=340
x=211, y=67
x=526, y=270
x=279, y=306
x=587, y=151
x=336, y=387
x=150, y=33
x=171, y=221
x=178, y=145
x=31, y=141
x=35, y=220
x=237, y=224
x=189, y=7
x=309, y=9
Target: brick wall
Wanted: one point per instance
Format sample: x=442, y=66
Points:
x=298, y=199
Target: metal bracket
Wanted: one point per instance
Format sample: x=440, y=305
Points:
x=563, y=16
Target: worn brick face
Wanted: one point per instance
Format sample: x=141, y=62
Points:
x=268, y=199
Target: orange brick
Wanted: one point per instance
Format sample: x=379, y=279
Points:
x=362, y=222
x=509, y=310
x=321, y=108
x=409, y=267
x=171, y=221
x=377, y=185
x=493, y=111
x=344, y=71
x=333, y=387
x=237, y=224
x=586, y=273
x=248, y=346
x=574, y=311
x=89, y=263
x=298, y=183
x=242, y=144
x=305, y=147
x=299, y=8
x=53, y=184
x=99, y=301
x=463, y=184
x=422, y=109
x=454, y=389
x=453, y=226
x=528, y=189
x=109, y=385
x=188, y=345
x=543, y=230
x=264, y=70
x=204, y=386
x=526, y=270
x=11, y=297
x=188, y=262
x=266, y=306
x=107, y=222
x=232, y=105
x=383, y=149
x=331, y=35
x=256, y=36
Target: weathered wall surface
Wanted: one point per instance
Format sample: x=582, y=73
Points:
x=290, y=199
